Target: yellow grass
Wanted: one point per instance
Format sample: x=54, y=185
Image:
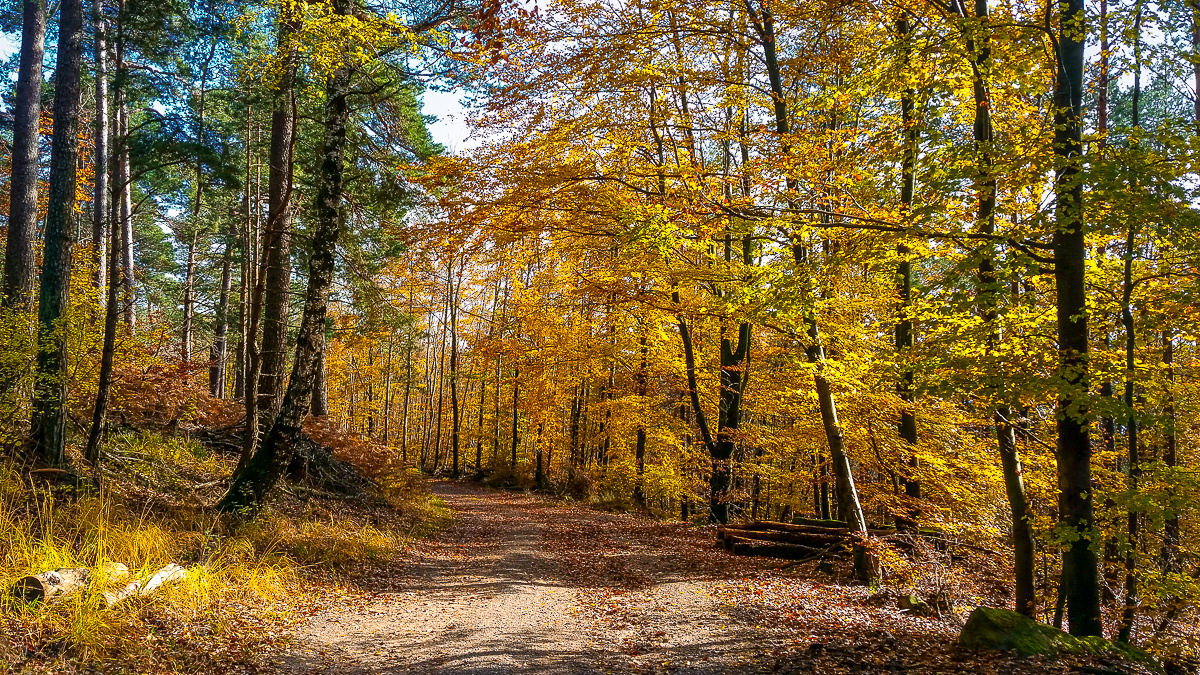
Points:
x=245, y=581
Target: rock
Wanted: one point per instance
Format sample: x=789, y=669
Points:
x=916, y=606
x=1006, y=631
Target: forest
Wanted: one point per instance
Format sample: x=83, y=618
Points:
x=862, y=285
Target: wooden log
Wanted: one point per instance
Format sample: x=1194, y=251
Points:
x=145, y=587
x=804, y=538
x=46, y=585
x=62, y=581
x=818, y=522
x=814, y=529
x=750, y=547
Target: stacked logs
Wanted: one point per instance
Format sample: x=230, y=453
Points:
x=799, y=540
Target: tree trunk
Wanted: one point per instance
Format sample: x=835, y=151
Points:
x=907, y=426
x=248, y=235
x=271, y=460
x=387, y=396
x=1010, y=461
x=539, y=476
x=639, y=491
x=1082, y=592
x=516, y=396
x=441, y=392
x=100, y=162
x=50, y=387
x=407, y=392
x=320, y=397
x=111, y=315
x=848, y=505
x=276, y=256
x=123, y=181
x=454, y=417
x=735, y=361
x=19, y=261
x=1170, y=458
x=189, y=299
x=189, y=282
x=220, y=345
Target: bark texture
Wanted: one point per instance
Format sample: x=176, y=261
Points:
x=50, y=387
x=19, y=262
x=1076, y=513
x=268, y=464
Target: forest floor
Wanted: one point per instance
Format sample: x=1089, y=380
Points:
x=520, y=584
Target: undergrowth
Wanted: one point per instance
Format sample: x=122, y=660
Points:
x=246, y=581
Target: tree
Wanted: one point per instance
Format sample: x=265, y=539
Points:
x=19, y=263
x=50, y=388
x=1080, y=567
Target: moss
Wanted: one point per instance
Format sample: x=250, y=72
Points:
x=1000, y=629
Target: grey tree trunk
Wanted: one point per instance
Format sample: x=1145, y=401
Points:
x=123, y=181
x=441, y=394
x=1076, y=513
x=639, y=457
x=50, y=388
x=246, y=282
x=189, y=298
x=1129, y=613
x=407, y=393
x=454, y=416
x=515, y=398
x=269, y=304
x=19, y=261
x=907, y=426
x=112, y=312
x=849, y=507
x=219, y=354
x=320, y=402
x=1010, y=460
x=100, y=193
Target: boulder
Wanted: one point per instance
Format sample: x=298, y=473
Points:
x=915, y=606
x=1006, y=631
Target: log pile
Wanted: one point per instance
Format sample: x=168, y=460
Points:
x=801, y=540
x=52, y=584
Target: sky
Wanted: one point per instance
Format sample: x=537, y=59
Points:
x=451, y=128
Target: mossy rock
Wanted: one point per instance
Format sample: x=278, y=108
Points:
x=915, y=606
x=1006, y=631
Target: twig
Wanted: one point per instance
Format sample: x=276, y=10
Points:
x=1095, y=670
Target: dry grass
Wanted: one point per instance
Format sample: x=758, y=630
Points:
x=246, y=581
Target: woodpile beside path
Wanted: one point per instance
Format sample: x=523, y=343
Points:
x=800, y=540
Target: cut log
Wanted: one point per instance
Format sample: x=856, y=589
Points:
x=768, y=525
x=143, y=588
x=47, y=585
x=818, y=522
x=62, y=581
x=751, y=547
x=802, y=538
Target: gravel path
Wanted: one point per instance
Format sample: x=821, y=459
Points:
x=521, y=585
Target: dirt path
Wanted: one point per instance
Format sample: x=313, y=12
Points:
x=519, y=585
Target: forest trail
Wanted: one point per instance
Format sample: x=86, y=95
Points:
x=518, y=584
